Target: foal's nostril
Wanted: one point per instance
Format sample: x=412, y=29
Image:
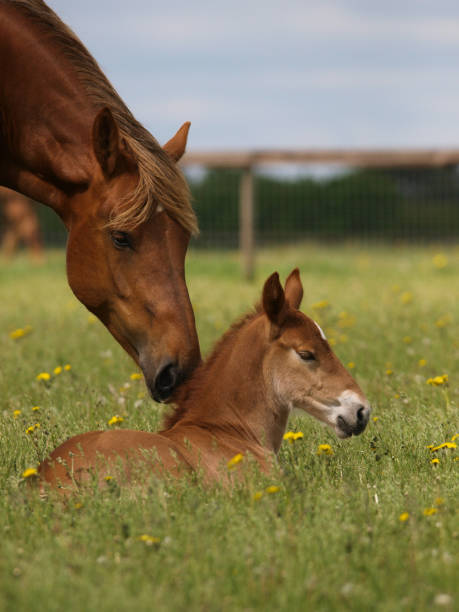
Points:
x=165, y=382
x=361, y=416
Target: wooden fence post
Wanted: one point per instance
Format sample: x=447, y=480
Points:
x=246, y=225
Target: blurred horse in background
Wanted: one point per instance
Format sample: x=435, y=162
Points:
x=67, y=140
x=19, y=225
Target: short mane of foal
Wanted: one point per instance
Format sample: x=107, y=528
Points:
x=238, y=401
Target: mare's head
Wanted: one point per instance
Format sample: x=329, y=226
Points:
x=128, y=236
x=300, y=369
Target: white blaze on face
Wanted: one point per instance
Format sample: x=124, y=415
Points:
x=320, y=330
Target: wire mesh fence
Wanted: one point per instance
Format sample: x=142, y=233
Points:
x=291, y=202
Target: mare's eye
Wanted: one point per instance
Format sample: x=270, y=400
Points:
x=307, y=355
x=121, y=240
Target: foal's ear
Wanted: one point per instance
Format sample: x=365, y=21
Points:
x=175, y=147
x=294, y=289
x=106, y=141
x=274, y=300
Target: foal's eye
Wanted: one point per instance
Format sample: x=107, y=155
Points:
x=307, y=355
x=121, y=240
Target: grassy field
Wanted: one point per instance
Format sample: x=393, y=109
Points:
x=331, y=538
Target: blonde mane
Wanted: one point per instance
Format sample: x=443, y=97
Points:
x=160, y=179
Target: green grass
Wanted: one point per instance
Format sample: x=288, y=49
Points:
x=329, y=539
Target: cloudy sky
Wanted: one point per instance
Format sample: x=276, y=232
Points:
x=284, y=73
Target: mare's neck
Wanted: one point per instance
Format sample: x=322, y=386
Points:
x=45, y=149
x=229, y=395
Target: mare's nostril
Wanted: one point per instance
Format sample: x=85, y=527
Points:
x=165, y=382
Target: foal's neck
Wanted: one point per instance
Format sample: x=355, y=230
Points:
x=229, y=394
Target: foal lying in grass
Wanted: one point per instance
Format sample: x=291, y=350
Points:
x=238, y=401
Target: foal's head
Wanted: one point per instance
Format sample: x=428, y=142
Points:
x=300, y=369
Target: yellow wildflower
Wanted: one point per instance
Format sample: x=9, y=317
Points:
x=389, y=372
x=440, y=261
x=406, y=297
x=404, y=516
x=435, y=461
x=43, y=376
x=422, y=363
x=115, y=420
x=351, y=365
x=17, y=333
x=67, y=367
x=439, y=501
x=29, y=472
x=407, y=339
x=291, y=436
x=78, y=505
x=375, y=418
x=397, y=396
x=32, y=428
x=443, y=321
x=92, y=318
x=321, y=305
x=57, y=370
x=136, y=376
x=272, y=489
x=235, y=460
x=149, y=540
x=258, y=495
x=107, y=478
x=16, y=413
x=455, y=437
x=438, y=380
x=451, y=445
x=324, y=449
x=35, y=408
x=430, y=511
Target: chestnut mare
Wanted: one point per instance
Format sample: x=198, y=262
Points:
x=68, y=140
x=238, y=401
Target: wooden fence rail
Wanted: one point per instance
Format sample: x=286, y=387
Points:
x=248, y=160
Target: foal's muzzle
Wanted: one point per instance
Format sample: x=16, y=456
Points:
x=354, y=426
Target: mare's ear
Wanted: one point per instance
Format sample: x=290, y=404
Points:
x=274, y=300
x=112, y=152
x=106, y=141
x=175, y=147
x=294, y=289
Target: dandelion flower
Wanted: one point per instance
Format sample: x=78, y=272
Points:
x=439, y=501
x=149, y=540
x=324, y=449
x=389, y=372
x=422, y=363
x=291, y=436
x=43, y=376
x=272, y=489
x=435, y=461
x=321, y=305
x=436, y=381
x=455, y=437
x=404, y=517
x=351, y=365
x=57, y=370
x=32, y=428
x=235, y=460
x=451, y=445
x=375, y=418
x=407, y=339
x=29, y=472
x=429, y=511
x=115, y=420
x=443, y=321
x=257, y=496
x=67, y=367
x=16, y=413
x=406, y=297
x=440, y=261
x=35, y=408
x=136, y=376
x=107, y=478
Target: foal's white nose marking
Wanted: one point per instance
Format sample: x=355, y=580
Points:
x=321, y=330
